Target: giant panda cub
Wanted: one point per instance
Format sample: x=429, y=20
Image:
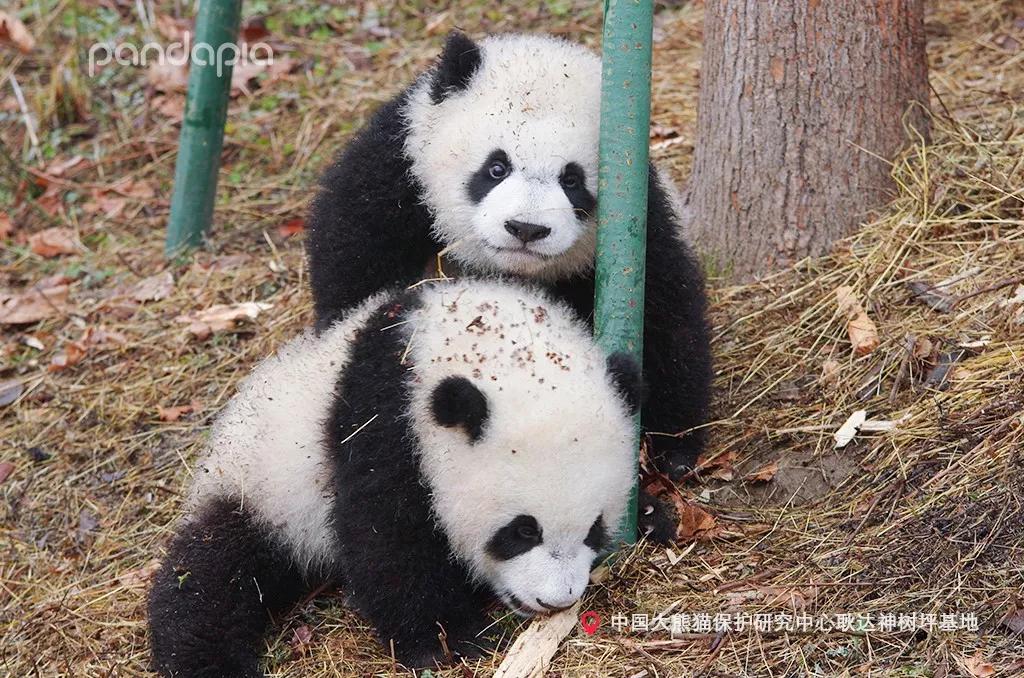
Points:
x=436, y=449
x=491, y=156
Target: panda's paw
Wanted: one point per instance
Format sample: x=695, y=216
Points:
x=655, y=520
x=433, y=656
x=676, y=457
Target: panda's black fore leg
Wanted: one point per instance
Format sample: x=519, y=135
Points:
x=655, y=520
x=214, y=594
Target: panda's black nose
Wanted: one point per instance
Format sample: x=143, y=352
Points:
x=527, y=232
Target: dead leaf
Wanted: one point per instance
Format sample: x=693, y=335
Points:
x=153, y=288
x=54, y=242
x=33, y=305
x=254, y=28
x=102, y=338
x=221, y=318
x=171, y=414
x=110, y=205
x=174, y=30
x=172, y=106
x=10, y=391
x=301, y=637
x=1014, y=620
x=166, y=76
x=242, y=73
x=849, y=429
x=719, y=467
x=830, y=370
x=6, y=225
x=291, y=227
x=764, y=474
x=13, y=32
x=695, y=523
x=859, y=327
x=140, y=576
x=280, y=68
x=71, y=355
x=224, y=262
x=978, y=667
x=6, y=469
x=86, y=523
x=58, y=168
x=923, y=348
x=931, y=296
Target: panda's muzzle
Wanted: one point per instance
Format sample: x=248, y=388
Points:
x=526, y=232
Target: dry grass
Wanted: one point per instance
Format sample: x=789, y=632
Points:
x=924, y=518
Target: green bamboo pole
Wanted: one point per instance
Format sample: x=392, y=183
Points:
x=202, y=130
x=622, y=189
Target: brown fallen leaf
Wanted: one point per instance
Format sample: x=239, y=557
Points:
x=171, y=414
x=102, y=338
x=301, y=638
x=931, y=296
x=291, y=227
x=6, y=225
x=978, y=667
x=6, y=469
x=695, y=524
x=860, y=328
x=253, y=28
x=69, y=356
x=10, y=391
x=140, y=576
x=54, y=242
x=33, y=305
x=153, y=288
x=173, y=30
x=242, y=73
x=221, y=318
x=719, y=467
x=764, y=474
x=166, y=76
x=1014, y=619
x=13, y=32
x=830, y=371
x=170, y=106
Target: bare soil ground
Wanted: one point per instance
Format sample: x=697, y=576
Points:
x=107, y=391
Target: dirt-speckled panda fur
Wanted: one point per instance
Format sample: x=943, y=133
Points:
x=434, y=449
x=492, y=156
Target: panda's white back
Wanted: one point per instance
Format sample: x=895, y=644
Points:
x=266, y=449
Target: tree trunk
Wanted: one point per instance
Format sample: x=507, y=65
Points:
x=799, y=100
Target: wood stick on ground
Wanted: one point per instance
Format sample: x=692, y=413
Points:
x=531, y=653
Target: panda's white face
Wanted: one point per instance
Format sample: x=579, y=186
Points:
x=508, y=162
x=526, y=439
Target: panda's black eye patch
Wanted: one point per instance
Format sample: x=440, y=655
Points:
x=494, y=170
x=518, y=536
x=573, y=182
x=597, y=537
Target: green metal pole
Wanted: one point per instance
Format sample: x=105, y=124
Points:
x=622, y=189
x=202, y=132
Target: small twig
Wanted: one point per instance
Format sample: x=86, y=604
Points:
x=29, y=125
x=991, y=288
x=908, y=353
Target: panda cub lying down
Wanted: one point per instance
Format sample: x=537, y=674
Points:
x=433, y=450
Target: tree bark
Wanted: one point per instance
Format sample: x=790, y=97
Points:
x=800, y=101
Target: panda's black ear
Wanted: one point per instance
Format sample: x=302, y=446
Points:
x=459, y=61
x=457, y=402
x=627, y=377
